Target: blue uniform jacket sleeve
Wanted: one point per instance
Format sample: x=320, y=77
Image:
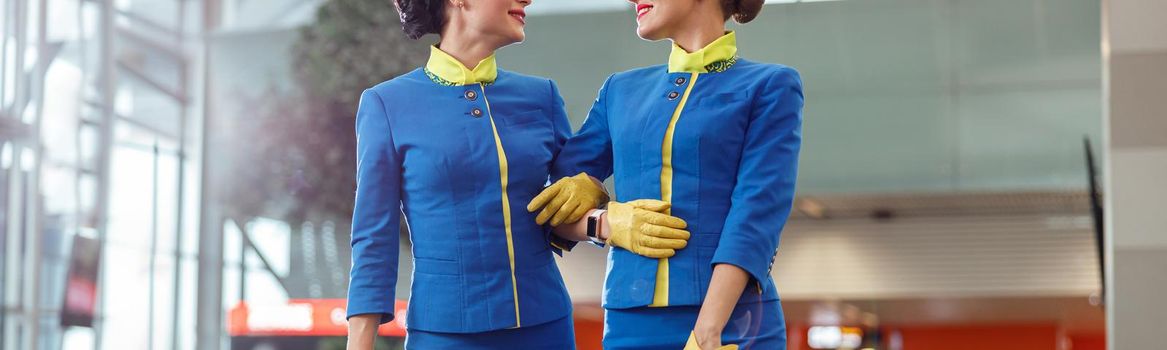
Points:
x=590, y=150
x=376, y=214
x=562, y=133
x=764, y=192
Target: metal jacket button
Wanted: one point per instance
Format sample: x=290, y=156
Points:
x=476, y=113
x=673, y=95
x=471, y=95
x=680, y=81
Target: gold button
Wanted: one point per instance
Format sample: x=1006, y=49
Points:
x=680, y=81
x=471, y=95
x=673, y=95
x=476, y=113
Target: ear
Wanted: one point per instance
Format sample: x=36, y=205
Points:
x=454, y=9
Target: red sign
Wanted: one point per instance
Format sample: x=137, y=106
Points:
x=81, y=283
x=302, y=317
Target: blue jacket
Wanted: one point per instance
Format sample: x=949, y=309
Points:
x=461, y=161
x=718, y=139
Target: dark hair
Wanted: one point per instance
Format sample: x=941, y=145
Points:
x=420, y=17
x=742, y=11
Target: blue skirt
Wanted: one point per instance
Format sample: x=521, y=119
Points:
x=757, y=325
x=554, y=335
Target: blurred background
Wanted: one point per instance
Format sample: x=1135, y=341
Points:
x=976, y=174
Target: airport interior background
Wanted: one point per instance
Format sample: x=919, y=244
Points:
x=975, y=174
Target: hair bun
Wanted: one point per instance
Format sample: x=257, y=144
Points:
x=745, y=11
x=419, y=17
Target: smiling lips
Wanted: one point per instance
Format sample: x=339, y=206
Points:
x=641, y=10
x=519, y=15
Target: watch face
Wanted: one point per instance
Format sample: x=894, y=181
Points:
x=592, y=226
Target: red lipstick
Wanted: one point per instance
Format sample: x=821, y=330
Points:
x=641, y=10
x=519, y=14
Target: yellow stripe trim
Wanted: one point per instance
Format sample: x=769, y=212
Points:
x=506, y=204
x=660, y=296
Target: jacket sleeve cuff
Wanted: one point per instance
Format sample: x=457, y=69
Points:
x=754, y=261
x=386, y=309
x=558, y=244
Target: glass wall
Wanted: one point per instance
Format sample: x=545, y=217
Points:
x=97, y=139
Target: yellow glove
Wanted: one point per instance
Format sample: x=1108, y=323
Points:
x=568, y=199
x=642, y=227
x=692, y=344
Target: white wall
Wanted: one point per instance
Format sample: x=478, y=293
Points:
x=1135, y=52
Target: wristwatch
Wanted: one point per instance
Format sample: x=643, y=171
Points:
x=594, y=227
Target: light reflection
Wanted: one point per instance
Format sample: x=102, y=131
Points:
x=6, y=155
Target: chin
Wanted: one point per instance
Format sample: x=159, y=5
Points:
x=648, y=33
x=518, y=36
x=510, y=37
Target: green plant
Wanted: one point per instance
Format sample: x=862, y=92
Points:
x=299, y=156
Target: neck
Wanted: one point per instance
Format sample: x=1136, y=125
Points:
x=698, y=31
x=467, y=49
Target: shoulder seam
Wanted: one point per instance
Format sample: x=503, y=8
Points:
x=388, y=124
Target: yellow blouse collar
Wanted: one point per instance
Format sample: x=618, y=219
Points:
x=445, y=67
x=720, y=50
